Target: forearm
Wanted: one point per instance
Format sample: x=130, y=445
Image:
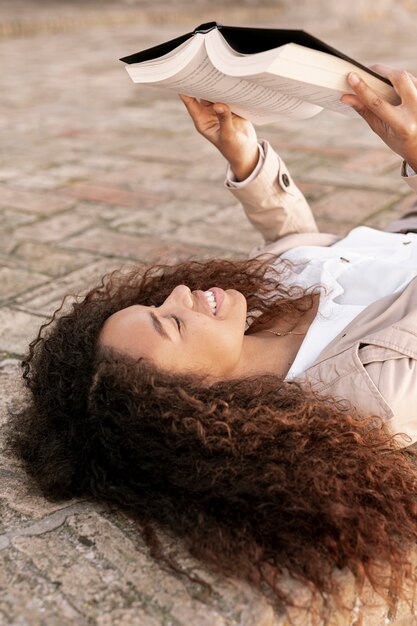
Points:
x=272, y=201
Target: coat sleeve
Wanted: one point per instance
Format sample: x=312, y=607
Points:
x=412, y=181
x=395, y=376
x=273, y=203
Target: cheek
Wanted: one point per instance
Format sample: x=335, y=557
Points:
x=211, y=340
x=225, y=344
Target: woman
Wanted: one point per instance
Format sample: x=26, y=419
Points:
x=180, y=393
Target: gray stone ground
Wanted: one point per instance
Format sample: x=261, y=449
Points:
x=97, y=173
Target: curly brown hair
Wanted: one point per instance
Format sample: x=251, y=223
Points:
x=257, y=476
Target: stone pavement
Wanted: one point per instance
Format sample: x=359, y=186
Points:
x=97, y=173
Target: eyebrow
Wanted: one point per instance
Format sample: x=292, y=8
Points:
x=158, y=327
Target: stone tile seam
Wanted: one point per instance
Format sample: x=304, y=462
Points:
x=338, y=185
x=16, y=306
x=48, y=523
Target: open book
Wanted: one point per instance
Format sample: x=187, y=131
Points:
x=263, y=74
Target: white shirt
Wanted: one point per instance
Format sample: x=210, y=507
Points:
x=356, y=271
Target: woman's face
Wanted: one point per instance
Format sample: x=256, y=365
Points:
x=197, y=332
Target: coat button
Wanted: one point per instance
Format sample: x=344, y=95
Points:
x=285, y=180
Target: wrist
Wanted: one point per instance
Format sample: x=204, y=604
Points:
x=243, y=167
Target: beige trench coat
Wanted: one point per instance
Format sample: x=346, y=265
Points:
x=373, y=362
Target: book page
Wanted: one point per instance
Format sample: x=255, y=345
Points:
x=321, y=96
x=169, y=65
x=256, y=102
x=311, y=75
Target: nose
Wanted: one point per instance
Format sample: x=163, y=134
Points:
x=180, y=295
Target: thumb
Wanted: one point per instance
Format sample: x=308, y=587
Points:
x=224, y=115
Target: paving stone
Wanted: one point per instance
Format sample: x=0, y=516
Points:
x=339, y=227
x=33, y=202
x=296, y=148
x=112, y=195
x=130, y=558
x=17, y=329
x=372, y=162
x=20, y=506
x=143, y=174
x=134, y=616
x=28, y=599
x=389, y=183
x=314, y=191
x=46, y=299
x=167, y=216
x=186, y=189
x=146, y=249
x=91, y=584
x=233, y=599
x=355, y=204
x=41, y=181
x=104, y=212
x=8, y=173
x=49, y=259
x=166, y=592
x=6, y=243
x=10, y=386
x=57, y=556
x=54, y=228
x=382, y=218
x=186, y=614
x=221, y=230
x=15, y=281
x=193, y=147
x=11, y=218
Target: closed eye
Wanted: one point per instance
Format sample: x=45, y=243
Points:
x=177, y=321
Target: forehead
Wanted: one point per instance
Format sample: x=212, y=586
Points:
x=131, y=330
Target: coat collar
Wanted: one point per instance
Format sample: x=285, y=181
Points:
x=387, y=322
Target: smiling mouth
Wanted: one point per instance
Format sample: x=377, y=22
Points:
x=211, y=299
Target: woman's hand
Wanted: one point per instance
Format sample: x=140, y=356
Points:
x=396, y=125
x=232, y=135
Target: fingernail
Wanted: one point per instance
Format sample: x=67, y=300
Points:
x=218, y=109
x=353, y=78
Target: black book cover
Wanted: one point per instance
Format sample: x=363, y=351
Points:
x=248, y=41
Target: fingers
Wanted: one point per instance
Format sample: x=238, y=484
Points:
x=202, y=112
x=225, y=118
x=370, y=101
x=405, y=84
x=195, y=105
x=391, y=72
x=185, y=98
x=370, y=118
x=191, y=104
x=354, y=102
x=194, y=108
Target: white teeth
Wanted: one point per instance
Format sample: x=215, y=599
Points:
x=211, y=300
